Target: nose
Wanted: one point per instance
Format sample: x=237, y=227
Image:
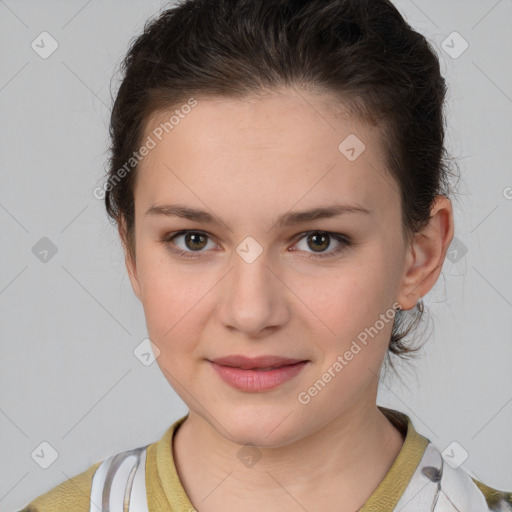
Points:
x=253, y=297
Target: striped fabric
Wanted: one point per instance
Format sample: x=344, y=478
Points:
x=119, y=484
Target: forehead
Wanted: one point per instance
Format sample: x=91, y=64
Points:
x=288, y=114
x=288, y=146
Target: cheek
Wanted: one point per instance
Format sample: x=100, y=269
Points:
x=348, y=300
x=172, y=324
x=170, y=307
x=162, y=298
x=356, y=305
x=173, y=297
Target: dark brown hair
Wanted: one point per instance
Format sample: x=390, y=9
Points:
x=360, y=51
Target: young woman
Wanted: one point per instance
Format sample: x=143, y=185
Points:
x=281, y=187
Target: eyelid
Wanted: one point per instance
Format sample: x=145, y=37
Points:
x=344, y=241
x=169, y=238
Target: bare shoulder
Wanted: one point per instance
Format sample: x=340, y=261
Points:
x=72, y=494
x=496, y=500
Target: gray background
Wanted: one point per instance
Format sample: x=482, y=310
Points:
x=69, y=325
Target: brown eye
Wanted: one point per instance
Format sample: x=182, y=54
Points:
x=319, y=241
x=195, y=241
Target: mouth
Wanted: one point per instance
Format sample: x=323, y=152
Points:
x=249, y=377
x=262, y=363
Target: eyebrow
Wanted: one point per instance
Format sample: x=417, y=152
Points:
x=287, y=219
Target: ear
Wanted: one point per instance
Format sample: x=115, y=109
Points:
x=426, y=254
x=130, y=263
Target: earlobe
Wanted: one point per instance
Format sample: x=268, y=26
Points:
x=426, y=254
x=408, y=297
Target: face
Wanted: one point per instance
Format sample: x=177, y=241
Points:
x=246, y=284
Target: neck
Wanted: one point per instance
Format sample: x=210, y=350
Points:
x=347, y=458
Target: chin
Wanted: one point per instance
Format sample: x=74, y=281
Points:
x=259, y=428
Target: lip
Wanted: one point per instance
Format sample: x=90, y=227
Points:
x=253, y=378
x=251, y=363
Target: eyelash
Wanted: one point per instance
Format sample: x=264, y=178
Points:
x=343, y=240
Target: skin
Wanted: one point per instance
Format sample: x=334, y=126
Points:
x=248, y=161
